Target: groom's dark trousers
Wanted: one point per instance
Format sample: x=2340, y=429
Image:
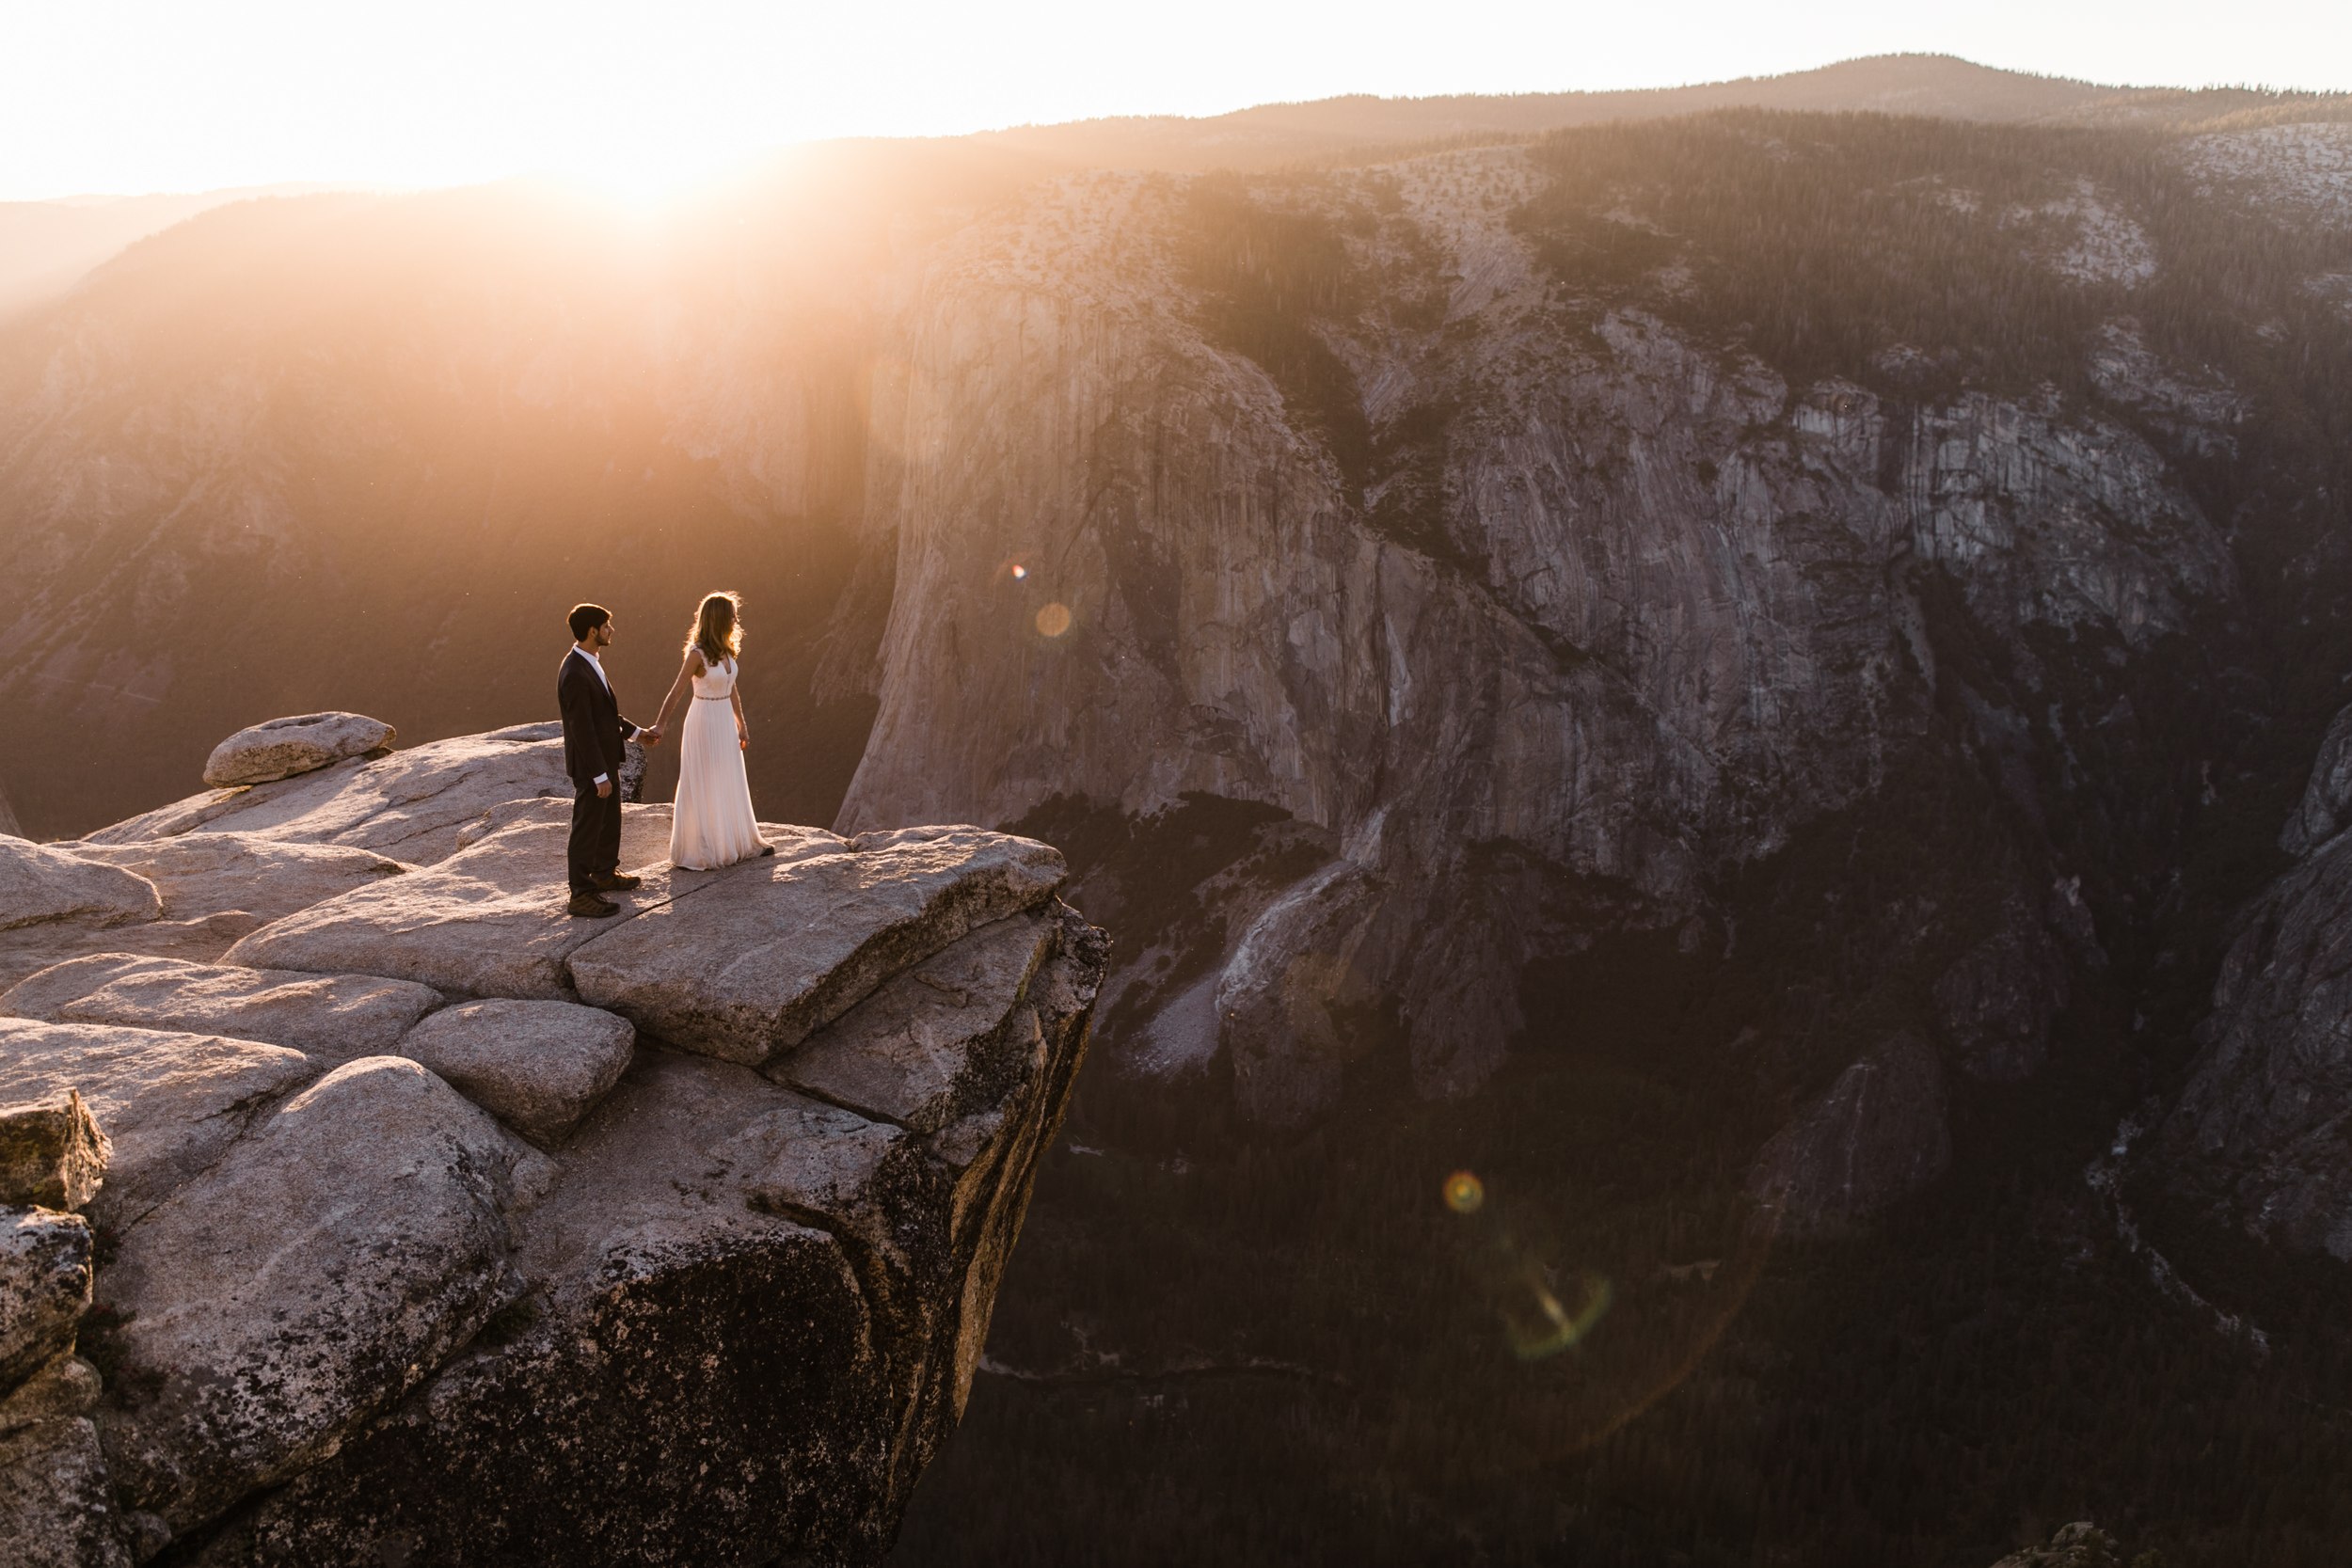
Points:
x=594, y=738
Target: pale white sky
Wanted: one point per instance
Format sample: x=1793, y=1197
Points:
x=164, y=95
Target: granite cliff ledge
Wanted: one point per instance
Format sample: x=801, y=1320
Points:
x=436, y=1226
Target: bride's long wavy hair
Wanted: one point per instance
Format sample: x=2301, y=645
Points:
x=718, y=629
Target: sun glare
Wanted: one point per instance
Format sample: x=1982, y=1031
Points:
x=649, y=179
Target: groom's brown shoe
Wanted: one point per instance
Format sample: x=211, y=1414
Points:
x=589, y=907
x=615, y=880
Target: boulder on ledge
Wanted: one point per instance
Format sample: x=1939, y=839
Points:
x=538, y=1066
x=284, y=746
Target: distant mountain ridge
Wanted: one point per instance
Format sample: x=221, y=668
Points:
x=46, y=246
x=1938, y=86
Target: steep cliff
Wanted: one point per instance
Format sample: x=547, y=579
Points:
x=473, y=1270
x=1593, y=655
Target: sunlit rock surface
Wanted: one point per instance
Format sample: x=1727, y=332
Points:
x=284, y=746
x=470, y=1271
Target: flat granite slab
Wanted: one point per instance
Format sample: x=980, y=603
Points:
x=488, y=921
x=770, y=951
x=335, y=1017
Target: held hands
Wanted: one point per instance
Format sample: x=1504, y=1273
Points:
x=650, y=734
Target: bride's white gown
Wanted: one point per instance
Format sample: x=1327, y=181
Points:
x=712, y=824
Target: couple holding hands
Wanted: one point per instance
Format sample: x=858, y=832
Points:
x=712, y=824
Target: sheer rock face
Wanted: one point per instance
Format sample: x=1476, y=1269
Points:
x=2262, y=1136
x=673, y=1309
x=1633, y=610
x=1997, y=1001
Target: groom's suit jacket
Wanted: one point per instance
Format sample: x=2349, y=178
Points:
x=593, y=729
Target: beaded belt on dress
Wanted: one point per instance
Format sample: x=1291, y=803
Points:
x=700, y=698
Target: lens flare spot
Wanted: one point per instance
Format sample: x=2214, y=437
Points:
x=1053, y=619
x=1464, y=1193
x=1552, y=1326
x=1018, y=572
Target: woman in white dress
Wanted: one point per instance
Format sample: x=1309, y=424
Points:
x=713, y=825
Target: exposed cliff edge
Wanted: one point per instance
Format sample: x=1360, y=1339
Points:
x=438, y=1227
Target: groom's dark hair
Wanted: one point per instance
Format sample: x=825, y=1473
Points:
x=587, y=618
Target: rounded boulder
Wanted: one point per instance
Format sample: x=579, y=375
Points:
x=284, y=746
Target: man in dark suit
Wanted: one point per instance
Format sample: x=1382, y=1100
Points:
x=594, y=735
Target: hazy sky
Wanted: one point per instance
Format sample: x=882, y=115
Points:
x=138, y=95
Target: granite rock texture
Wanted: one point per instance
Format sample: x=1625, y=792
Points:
x=296, y=1289
x=487, y=921
x=333, y=1017
x=538, y=1066
x=281, y=748
x=45, y=1288
x=756, y=960
x=738, y=1324
x=43, y=886
x=51, y=1154
x=1584, y=619
x=409, y=806
x=670, y=1310
x=172, y=1104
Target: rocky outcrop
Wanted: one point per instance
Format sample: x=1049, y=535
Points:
x=172, y=1104
x=1878, y=1135
x=44, y=1287
x=2261, y=1137
x=466, y=1276
x=2080, y=1544
x=409, y=806
x=51, y=1154
x=2328, y=796
x=798, y=939
x=56, y=1502
x=284, y=746
x=1998, y=999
